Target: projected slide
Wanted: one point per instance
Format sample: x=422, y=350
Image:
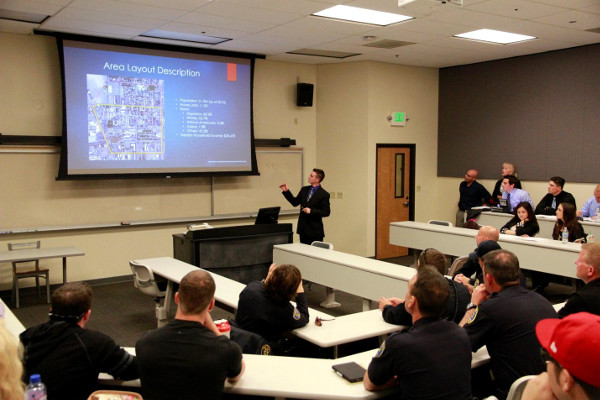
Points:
x=140, y=110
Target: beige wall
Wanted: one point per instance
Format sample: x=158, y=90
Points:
x=338, y=134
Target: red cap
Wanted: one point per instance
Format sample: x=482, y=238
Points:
x=574, y=342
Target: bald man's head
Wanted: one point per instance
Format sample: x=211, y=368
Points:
x=487, y=233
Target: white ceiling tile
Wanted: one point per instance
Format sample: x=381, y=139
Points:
x=520, y=9
x=572, y=20
x=128, y=8
x=224, y=22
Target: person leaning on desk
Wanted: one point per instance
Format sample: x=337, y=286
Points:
x=524, y=223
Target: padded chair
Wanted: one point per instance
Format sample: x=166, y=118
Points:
x=143, y=279
x=518, y=386
x=438, y=222
x=329, y=301
x=457, y=264
x=31, y=269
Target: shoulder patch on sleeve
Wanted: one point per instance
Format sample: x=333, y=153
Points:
x=296, y=314
x=473, y=316
x=380, y=350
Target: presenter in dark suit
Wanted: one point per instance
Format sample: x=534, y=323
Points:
x=314, y=205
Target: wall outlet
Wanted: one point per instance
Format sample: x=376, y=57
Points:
x=340, y=195
x=332, y=195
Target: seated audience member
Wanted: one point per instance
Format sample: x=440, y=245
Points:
x=588, y=270
x=264, y=307
x=432, y=359
x=472, y=265
x=512, y=194
x=189, y=358
x=471, y=194
x=565, y=217
x=592, y=205
x=11, y=369
x=502, y=316
x=507, y=169
x=556, y=195
x=524, y=223
x=571, y=349
x=476, y=277
x=66, y=355
x=394, y=310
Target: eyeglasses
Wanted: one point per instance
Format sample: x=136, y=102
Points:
x=319, y=321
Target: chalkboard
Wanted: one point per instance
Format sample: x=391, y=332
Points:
x=32, y=199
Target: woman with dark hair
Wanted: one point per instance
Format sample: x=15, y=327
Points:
x=566, y=217
x=264, y=307
x=524, y=223
x=394, y=312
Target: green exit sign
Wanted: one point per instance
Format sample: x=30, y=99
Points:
x=398, y=118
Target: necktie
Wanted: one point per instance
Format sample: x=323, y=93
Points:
x=508, y=201
x=553, y=202
x=310, y=193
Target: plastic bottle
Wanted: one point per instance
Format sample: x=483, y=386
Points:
x=36, y=390
x=565, y=235
x=597, y=214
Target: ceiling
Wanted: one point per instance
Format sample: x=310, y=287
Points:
x=276, y=27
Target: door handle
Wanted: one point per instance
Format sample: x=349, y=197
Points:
x=406, y=203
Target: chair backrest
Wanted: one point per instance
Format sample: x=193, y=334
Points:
x=25, y=246
x=518, y=386
x=457, y=264
x=143, y=279
x=323, y=245
x=437, y=222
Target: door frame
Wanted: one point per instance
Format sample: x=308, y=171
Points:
x=412, y=147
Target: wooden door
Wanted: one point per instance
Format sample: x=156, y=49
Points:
x=394, y=176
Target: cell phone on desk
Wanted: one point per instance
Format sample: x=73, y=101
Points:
x=351, y=371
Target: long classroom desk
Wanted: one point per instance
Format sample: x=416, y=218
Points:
x=333, y=332
x=11, y=322
x=41, y=254
x=300, y=378
x=546, y=223
x=365, y=277
x=538, y=254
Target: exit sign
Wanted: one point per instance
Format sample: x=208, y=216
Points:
x=398, y=118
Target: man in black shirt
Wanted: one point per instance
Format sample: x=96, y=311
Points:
x=502, y=316
x=472, y=194
x=555, y=196
x=66, y=355
x=432, y=359
x=189, y=358
x=588, y=270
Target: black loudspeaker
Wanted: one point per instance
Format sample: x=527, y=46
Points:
x=304, y=94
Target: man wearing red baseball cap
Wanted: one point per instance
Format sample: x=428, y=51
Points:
x=571, y=347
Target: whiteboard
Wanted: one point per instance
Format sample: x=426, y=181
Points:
x=32, y=199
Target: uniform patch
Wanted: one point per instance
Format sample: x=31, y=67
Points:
x=265, y=350
x=296, y=314
x=380, y=350
x=473, y=316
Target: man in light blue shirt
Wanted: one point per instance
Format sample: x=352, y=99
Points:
x=512, y=194
x=590, y=206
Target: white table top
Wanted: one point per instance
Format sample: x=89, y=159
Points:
x=539, y=254
x=346, y=329
x=41, y=253
x=360, y=276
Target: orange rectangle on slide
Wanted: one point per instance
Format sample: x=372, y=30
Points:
x=231, y=72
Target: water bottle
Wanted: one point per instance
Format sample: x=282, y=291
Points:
x=565, y=235
x=597, y=214
x=36, y=390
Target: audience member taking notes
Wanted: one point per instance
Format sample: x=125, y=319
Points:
x=432, y=359
x=189, y=358
x=66, y=355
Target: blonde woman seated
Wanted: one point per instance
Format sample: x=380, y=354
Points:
x=524, y=223
x=11, y=369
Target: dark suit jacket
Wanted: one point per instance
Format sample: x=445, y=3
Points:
x=311, y=224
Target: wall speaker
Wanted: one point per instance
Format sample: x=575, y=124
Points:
x=304, y=94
